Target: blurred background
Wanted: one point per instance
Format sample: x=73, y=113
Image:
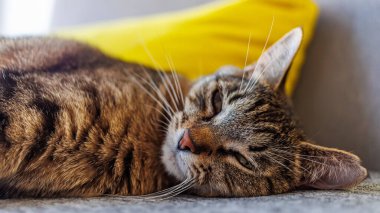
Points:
x=338, y=95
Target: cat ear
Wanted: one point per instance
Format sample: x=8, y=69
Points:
x=274, y=63
x=328, y=168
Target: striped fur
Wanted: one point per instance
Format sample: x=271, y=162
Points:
x=74, y=122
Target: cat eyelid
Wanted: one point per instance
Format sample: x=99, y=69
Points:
x=216, y=104
x=258, y=148
x=243, y=161
x=217, y=101
x=235, y=97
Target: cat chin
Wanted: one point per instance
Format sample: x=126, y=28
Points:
x=173, y=160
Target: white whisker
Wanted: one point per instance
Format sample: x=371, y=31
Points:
x=162, y=104
x=279, y=163
x=260, y=58
x=165, y=116
x=176, y=78
x=246, y=60
x=289, y=161
x=167, y=82
x=156, y=89
x=158, y=67
x=160, y=195
x=304, y=158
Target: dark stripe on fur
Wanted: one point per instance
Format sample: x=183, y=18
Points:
x=93, y=94
x=201, y=101
x=236, y=97
x=257, y=148
x=4, y=122
x=288, y=173
x=255, y=105
x=49, y=112
x=270, y=186
x=94, y=110
x=128, y=160
x=8, y=84
x=229, y=183
x=265, y=129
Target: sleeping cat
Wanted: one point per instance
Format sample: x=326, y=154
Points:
x=75, y=122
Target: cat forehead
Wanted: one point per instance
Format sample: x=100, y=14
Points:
x=219, y=78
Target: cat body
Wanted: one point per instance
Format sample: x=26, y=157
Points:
x=74, y=122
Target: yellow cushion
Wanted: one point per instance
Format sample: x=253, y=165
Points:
x=200, y=40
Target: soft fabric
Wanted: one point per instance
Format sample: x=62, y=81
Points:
x=198, y=41
x=364, y=198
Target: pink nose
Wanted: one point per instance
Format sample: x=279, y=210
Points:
x=186, y=143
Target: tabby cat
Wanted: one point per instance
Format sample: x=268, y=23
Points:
x=77, y=123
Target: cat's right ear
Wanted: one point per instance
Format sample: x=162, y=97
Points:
x=329, y=168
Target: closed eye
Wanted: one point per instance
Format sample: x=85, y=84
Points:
x=236, y=97
x=217, y=104
x=239, y=157
x=243, y=161
x=257, y=148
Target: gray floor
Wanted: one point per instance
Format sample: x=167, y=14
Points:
x=365, y=198
x=338, y=97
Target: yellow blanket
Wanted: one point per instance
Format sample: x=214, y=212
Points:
x=196, y=42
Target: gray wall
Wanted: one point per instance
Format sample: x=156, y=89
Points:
x=89, y=11
x=338, y=97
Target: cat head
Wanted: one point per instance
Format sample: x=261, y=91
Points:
x=237, y=135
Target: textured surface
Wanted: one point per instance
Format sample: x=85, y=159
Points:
x=365, y=198
x=337, y=98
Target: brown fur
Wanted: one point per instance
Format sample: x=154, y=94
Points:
x=72, y=123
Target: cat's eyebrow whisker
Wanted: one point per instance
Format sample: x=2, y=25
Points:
x=258, y=77
x=260, y=58
x=246, y=60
